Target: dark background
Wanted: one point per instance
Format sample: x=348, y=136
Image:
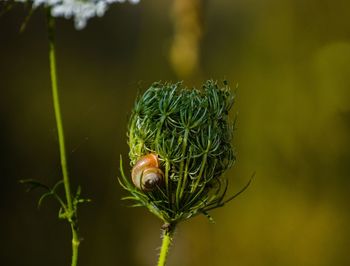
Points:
x=291, y=59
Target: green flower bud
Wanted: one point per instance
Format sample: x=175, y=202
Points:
x=180, y=141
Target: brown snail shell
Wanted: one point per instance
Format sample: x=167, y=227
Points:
x=146, y=174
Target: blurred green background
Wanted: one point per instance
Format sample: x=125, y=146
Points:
x=291, y=59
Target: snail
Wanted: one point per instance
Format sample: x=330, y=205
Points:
x=146, y=174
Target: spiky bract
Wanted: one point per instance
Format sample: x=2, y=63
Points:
x=191, y=133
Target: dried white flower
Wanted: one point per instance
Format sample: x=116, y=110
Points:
x=80, y=10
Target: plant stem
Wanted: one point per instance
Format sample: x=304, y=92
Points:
x=56, y=103
x=75, y=246
x=168, y=234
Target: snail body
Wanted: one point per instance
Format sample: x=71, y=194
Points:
x=146, y=173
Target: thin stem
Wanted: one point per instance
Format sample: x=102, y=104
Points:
x=75, y=246
x=56, y=103
x=57, y=108
x=181, y=172
x=168, y=234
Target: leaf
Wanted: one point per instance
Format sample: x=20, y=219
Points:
x=129, y=198
x=136, y=205
x=222, y=203
x=33, y=184
x=122, y=184
x=241, y=191
x=84, y=200
x=77, y=199
x=206, y=214
x=57, y=185
x=77, y=194
x=62, y=213
x=44, y=196
x=125, y=182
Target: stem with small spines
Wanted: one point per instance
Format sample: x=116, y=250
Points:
x=168, y=235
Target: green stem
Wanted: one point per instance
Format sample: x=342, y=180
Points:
x=167, y=182
x=56, y=103
x=181, y=172
x=168, y=235
x=204, y=161
x=75, y=246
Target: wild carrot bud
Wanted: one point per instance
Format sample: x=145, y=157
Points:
x=180, y=146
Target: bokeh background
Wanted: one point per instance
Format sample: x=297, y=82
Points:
x=291, y=59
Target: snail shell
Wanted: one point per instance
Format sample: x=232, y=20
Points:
x=146, y=174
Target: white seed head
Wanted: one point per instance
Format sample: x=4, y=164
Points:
x=80, y=10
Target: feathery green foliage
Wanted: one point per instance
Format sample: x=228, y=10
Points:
x=64, y=211
x=191, y=133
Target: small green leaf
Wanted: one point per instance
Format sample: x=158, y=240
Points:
x=77, y=194
x=61, y=213
x=241, y=191
x=81, y=200
x=57, y=185
x=44, y=196
x=33, y=184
